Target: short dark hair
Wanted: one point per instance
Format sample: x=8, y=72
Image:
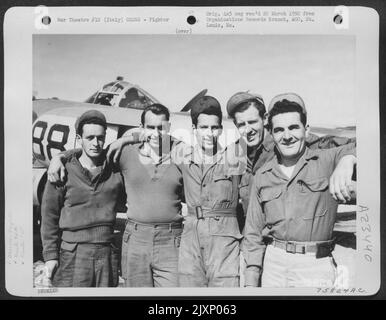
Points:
x=246, y=104
x=157, y=109
x=285, y=106
x=93, y=120
x=212, y=110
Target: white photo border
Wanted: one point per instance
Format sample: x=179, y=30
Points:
x=21, y=23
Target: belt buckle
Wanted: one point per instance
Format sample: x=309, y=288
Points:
x=199, y=213
x=288, y=246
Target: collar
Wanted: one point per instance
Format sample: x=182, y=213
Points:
x=267, y=143
x=145, y=150
x=195, y=154
x=274, y=162
x=265, y=147
x=76, y=155
x=75, y=161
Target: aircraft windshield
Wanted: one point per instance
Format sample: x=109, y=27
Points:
x=92, y=98
x=104, y=99
x=112, y=87
x=134, y=99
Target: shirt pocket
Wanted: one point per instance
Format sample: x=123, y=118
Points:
x=221, y=190
x=313, y=197
x=271, y=204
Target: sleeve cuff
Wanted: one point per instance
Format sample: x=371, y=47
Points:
x=50, y=255
x=348, y=150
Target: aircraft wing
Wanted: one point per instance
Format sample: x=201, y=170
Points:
x=348, y=132
x=64, y=108
x=115, y=116
x=42, y=106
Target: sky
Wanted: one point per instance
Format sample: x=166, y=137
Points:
x=173, y=68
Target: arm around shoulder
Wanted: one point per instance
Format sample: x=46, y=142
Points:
x=56, y=172
x=115, y=148
x=342, y=187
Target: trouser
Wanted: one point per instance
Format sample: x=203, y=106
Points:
x=87, y=265
x=150, y=254
x=283, y=269
x=210, y=252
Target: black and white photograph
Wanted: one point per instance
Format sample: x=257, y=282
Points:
x=209, y=161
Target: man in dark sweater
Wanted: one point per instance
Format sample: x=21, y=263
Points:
x=78, y=216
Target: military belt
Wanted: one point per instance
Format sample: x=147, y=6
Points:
x=321, y=249
x=156, y=225
x=202, y=213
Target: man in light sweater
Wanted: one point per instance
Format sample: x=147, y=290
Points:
x=78, y=216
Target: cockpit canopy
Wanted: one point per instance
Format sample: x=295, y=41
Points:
x=122, y=94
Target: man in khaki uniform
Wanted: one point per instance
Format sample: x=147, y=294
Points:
x=248, y=112
x=291, y=214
